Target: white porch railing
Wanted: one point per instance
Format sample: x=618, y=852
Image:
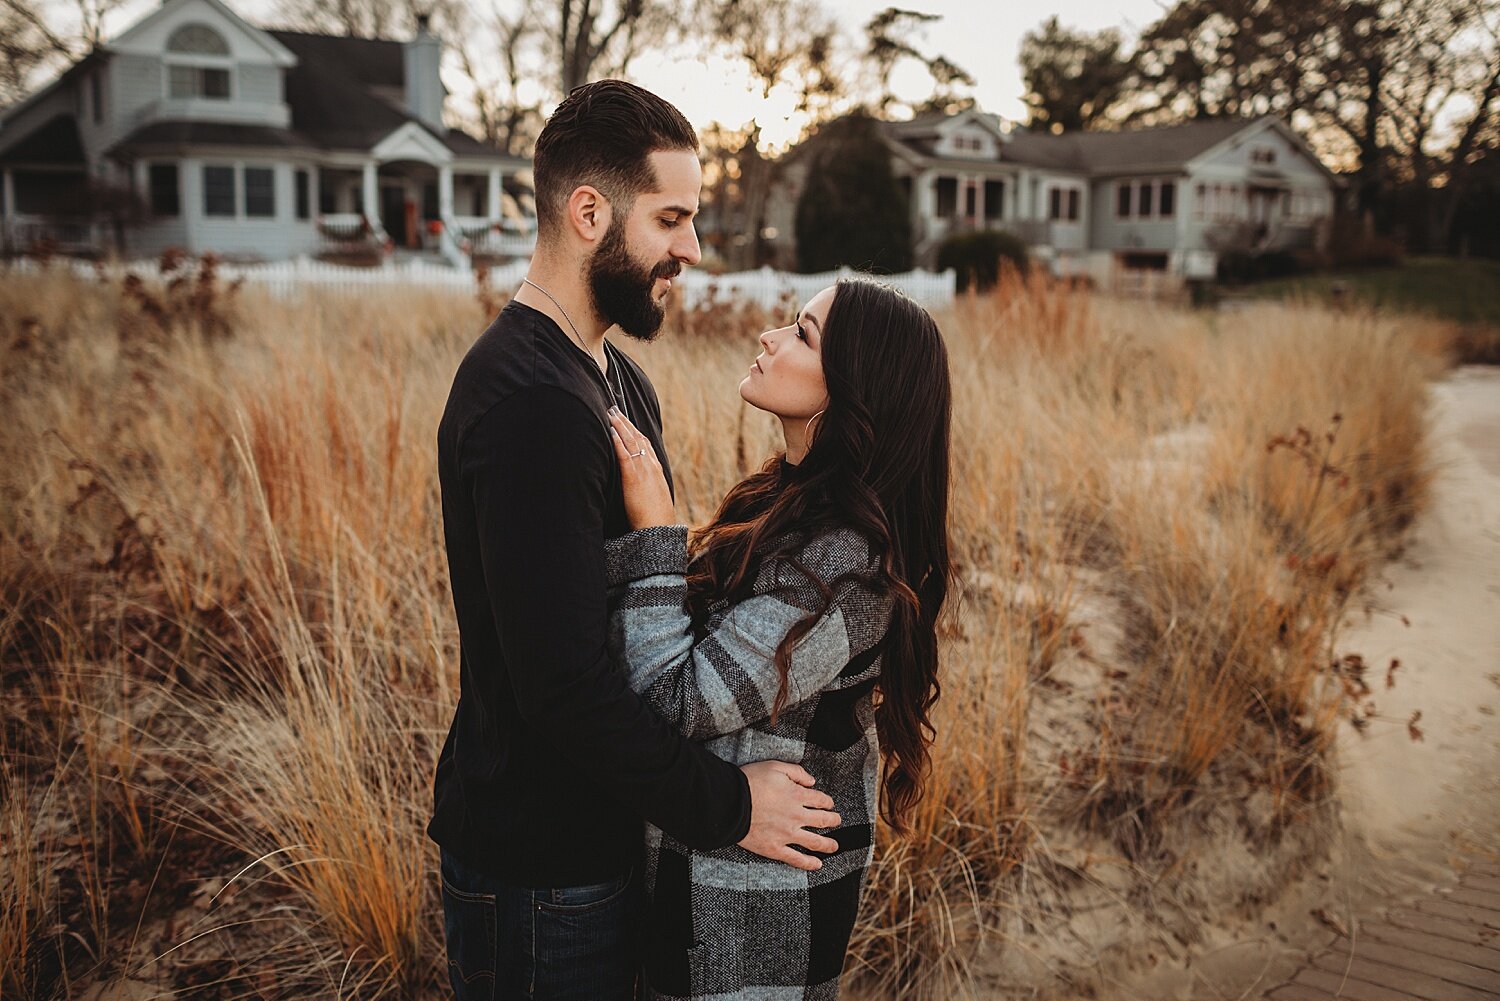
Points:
x=25, y=232
x=766, y=287
x=490, y=237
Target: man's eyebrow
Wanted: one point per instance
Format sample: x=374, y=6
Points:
x=681, y=210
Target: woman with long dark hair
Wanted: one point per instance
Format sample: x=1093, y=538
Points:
x=798, y=625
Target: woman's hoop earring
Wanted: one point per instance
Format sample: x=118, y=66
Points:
x=814, y=417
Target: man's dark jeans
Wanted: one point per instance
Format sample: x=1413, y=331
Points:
x=507, y=942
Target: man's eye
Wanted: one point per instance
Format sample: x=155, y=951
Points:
x=668, y=223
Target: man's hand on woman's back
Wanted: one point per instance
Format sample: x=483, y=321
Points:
x=783, y=804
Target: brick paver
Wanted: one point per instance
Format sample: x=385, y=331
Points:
x=1442, y=948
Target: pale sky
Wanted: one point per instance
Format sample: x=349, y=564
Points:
x=982, y=36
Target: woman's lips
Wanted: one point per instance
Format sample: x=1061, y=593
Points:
x=755, y=367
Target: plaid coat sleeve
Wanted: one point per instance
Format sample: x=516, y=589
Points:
x=725, y=679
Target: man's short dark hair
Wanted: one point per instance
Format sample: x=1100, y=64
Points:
x=603, y=135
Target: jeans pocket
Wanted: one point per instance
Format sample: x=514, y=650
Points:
x=577, y=899
x=469, y=926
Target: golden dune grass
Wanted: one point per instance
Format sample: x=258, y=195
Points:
x=228, y=645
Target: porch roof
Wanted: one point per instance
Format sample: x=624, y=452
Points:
x=53, y=142
x=177, y=135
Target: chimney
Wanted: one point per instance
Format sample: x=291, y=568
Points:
x=420, y=59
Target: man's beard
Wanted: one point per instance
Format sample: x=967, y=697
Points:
x=621, y=288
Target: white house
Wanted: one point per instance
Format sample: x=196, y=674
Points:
x=1169, y=199
x=254, y=143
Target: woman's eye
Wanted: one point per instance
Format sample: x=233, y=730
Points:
x=801, y=334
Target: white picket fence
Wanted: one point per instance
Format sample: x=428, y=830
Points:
x=766, y=287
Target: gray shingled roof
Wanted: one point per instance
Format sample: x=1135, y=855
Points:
x=331, y=101
x=1127, y=151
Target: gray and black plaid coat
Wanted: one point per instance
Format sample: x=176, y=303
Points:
x=728, y=924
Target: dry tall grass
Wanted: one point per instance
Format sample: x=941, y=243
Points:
x=228, y=649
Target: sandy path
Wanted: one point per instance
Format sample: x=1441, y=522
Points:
x=1415, y=805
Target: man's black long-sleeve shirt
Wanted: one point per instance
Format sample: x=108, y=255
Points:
x=551, y=760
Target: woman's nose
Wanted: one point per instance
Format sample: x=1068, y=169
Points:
x=765, y=340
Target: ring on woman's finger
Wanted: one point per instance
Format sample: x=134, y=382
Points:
x=637, y=455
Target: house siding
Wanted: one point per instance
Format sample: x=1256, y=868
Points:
x=259, y=83
x=272, y=238
x=136, y=85
x=1107, y=231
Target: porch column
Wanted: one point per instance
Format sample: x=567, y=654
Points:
x=314, y=191
x=7, y=205
x=371, y=199
x=978, y=182
x=493, y=198
x=445, y=193
x=927, y=194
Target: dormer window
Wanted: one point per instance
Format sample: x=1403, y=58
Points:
x=1263, y=155
x=967, y=144
x=197, y=63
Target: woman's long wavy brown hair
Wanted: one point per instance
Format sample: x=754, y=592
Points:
x=877, y=463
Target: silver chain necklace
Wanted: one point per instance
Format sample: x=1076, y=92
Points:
x=620, y=395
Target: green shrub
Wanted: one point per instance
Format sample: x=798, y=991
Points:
x=976, y=256
x=1353, y=243
x=852, y=212
x=1239, y=267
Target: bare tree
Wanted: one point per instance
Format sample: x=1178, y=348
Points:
x=27, y=45
x=590, y=33
x=497, y=75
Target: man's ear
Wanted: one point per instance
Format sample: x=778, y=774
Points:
x=588, y=213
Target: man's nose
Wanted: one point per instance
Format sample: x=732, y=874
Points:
x=686, y=249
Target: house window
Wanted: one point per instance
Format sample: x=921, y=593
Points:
x=1063, y=204
x=1122, y=199
x=971, y=200
x=994, y=200
x=96, y=95
x=1263, y=154
x=947, y=197
x=304, y=200
x=1167, y=199
x=218, y=191
x=198, y=81
x=198, y=39
x=206, y=72
x=260, y=192
x=163, y=190
x=1144, y=207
